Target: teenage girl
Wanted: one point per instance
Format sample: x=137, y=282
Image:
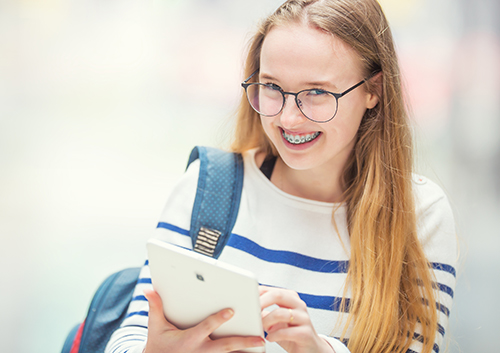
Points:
x=356, y=251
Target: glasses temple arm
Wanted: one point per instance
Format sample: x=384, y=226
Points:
x=252, y=75
x=358, y=84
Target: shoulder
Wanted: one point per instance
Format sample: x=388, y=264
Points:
x=188, y=182
x=181, y=199
x=435, y=220
x=429, y=197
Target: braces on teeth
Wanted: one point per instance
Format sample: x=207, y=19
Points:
x=296, y=140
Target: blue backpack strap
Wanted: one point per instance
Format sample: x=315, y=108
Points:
x=108, y=309
x=68, y=343
x=217, y=199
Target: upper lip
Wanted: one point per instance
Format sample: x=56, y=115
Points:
x=299, y=133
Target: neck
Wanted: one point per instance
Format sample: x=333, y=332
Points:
x=321, y=184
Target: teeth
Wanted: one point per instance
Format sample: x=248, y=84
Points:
x=296, y=139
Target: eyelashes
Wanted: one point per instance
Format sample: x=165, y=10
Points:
x=314, y=90
x=273, y=86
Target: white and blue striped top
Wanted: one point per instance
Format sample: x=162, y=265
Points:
x=291, y=242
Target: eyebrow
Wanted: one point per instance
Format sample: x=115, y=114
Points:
x=267, y=77
x=309, y=83
x=322, y=83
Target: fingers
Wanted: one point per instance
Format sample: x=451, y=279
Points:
x=289, y=325
x=292, y=310
x=204, y=329
x=232, y=344
x=284, y=317
x=213, y=322
x=294, y=333
x=156, y=317
x=281, y=297
x=228, y=344
x=163, y=336
x=304, y=339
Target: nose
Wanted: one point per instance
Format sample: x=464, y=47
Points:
x=291, y=116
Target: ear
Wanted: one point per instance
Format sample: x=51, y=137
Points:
x=372, y=97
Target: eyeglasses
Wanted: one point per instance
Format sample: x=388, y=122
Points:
x=317, y=105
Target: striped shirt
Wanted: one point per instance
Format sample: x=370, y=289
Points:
x=291, y=242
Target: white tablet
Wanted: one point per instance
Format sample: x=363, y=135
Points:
x=193, y=286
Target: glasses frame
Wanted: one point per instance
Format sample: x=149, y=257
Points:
x=337, y=96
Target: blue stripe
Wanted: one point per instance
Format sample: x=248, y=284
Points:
x=139, y=298
x=133, y=335
x=140, y=326
x=441, y=330
x=173, y=228
x=323, y=302
x=118, y=348
x=320, y=302
x=444, y=267
x=287, y=257
x=418, y=337
x=275, y=256
x=445, y=288
x=144, y=280
x=443, y=309
x=345, y=341
x=139, y=313
x=126, y=342
x=439, y=307
x=441, y=287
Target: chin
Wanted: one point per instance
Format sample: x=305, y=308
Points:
x=298, y=161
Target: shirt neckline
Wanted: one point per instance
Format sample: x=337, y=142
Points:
x=249, y=156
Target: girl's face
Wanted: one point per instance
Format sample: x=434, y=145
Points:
x=296, y=57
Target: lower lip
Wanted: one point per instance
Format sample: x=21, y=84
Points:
x=301, y=146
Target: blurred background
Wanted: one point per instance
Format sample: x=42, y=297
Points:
x=101, y=102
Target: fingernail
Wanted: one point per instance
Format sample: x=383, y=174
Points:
x=227, y=314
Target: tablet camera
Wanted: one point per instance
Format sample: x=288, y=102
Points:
x=200, y=277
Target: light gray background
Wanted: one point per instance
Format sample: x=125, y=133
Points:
x=101, y=101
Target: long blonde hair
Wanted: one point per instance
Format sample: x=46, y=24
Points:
x=389, y=275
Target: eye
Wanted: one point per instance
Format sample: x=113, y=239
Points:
x=273, y=86
x=316, y=92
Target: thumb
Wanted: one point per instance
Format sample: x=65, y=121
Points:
x=156, y=316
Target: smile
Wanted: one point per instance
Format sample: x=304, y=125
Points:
x=299, y=139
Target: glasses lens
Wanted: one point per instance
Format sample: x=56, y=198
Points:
x=317, y=105
x=265, y=99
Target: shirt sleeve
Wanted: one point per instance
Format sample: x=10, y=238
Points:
x=173, y=227
x=131, y=336
x=437, y=234
x=337, y=346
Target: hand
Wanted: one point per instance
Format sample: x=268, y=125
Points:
x=290, y=325
x=165, y=337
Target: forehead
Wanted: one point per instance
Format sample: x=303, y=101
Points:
x=299, y=51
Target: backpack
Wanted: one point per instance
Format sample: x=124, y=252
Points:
x=219, y=188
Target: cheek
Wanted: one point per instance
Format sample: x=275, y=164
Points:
x=350, y=116
x=266, y=126
x=346, y=127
